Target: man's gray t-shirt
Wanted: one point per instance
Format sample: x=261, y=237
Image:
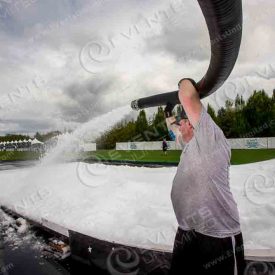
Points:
x=201, y=195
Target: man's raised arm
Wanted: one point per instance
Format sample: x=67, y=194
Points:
x=190, y=100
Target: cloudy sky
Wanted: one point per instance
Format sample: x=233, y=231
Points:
x=65, y=62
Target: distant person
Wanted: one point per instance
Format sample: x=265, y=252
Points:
x=164, y=146
x=209, y=239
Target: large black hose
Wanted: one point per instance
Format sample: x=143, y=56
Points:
x=224, y=21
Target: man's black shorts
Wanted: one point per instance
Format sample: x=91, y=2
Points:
x=198, y=254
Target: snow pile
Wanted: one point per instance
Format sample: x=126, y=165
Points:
x=21, y=226
x=16, y=233
x=131, y=205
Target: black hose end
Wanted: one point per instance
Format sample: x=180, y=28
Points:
x=134, y=105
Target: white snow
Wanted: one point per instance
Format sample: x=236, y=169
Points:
x=131, y=205
x=16, y=236
x=21, y=226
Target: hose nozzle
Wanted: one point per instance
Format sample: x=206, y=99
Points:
x=155, y=100
x=134, y=105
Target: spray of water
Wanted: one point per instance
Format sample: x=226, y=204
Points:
x=71, y=142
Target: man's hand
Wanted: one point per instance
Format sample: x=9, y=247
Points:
x=190, y=100
x=168, y=111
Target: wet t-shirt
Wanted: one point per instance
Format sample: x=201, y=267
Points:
x=201, y=194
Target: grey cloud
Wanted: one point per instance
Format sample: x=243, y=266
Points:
x=87, y=99
x=184, y=45
x=27, y=125
x=17, y=16
x=184, y=35
x=145, y=64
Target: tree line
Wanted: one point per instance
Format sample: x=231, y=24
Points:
x=254, y=117
x=40, y=137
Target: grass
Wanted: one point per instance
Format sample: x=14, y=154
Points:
x=242, y=156
x=17, y=155
x=137, y=156
x=239, y=156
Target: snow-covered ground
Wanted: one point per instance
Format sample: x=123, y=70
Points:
x=131, y=205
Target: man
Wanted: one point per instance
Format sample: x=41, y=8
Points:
x=164, y=146
x=209, y=239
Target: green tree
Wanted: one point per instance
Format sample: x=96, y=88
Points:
x=211, y=112
x=158, y=128
x=239, y=118
x=239, y=102
x=13, y=137
x=239, y=125
x=258, y=112
x=224, y=120
x=228, y=104
x=141, y=122
x=159, y=117
x=272, y=123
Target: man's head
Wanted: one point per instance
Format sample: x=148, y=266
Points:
x=186, y=130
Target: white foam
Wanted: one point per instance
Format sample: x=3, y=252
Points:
x=132, y=205
x=89, y=131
